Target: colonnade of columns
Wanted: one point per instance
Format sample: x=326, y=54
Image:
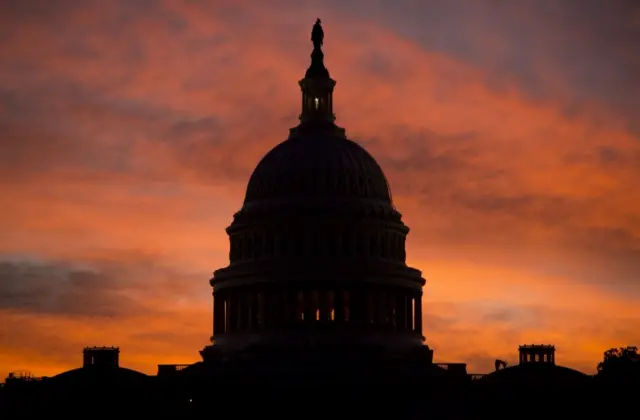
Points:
x=543, y=356
x=251, y=310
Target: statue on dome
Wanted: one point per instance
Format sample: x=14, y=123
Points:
x=317, y=34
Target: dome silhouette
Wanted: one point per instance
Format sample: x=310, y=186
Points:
x=317, y=251
x=535, y=373
x=318, y=166
x=94, y=374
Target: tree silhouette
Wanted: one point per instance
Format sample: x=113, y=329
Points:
x=620, y=362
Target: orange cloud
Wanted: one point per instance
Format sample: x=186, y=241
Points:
x=130, y=136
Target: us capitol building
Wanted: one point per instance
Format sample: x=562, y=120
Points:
x=317, y=256
x=317, y=313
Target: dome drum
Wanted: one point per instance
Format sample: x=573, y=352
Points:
x=300, y=310
x=320, y=243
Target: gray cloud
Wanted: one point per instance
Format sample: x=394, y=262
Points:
x=589, y=45
x=99, y=288
x=62, y=289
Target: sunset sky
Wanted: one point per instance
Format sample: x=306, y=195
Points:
x=509, y=131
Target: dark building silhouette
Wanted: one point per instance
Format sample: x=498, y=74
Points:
x=317, y=289
x=317, y=251
x=101, y=356
x=100, y=383
x=536, y=384
x=317, y=313
x=537, y=353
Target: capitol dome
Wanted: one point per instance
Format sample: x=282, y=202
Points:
x=317, y=250
x=318, y=166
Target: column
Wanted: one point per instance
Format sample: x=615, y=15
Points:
x=357, y=306
x=261, y=311
x=382, y=309
x=401, y=312
x=277, y=307
x=215, y=314
x=218, y=313
x=309, y=307
x=280, y=306
x=377, y=308
x=267, y=318
x=373, y=315
x=299, y=314
x=392, y=309
x=224, y=303
x=323, y=300
x=290, y=313
x=409, y=312
x=276, y=245
x=254, y=320
x=231, y=312
x=338, y=305
x=242, y=311
x=418, y=314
